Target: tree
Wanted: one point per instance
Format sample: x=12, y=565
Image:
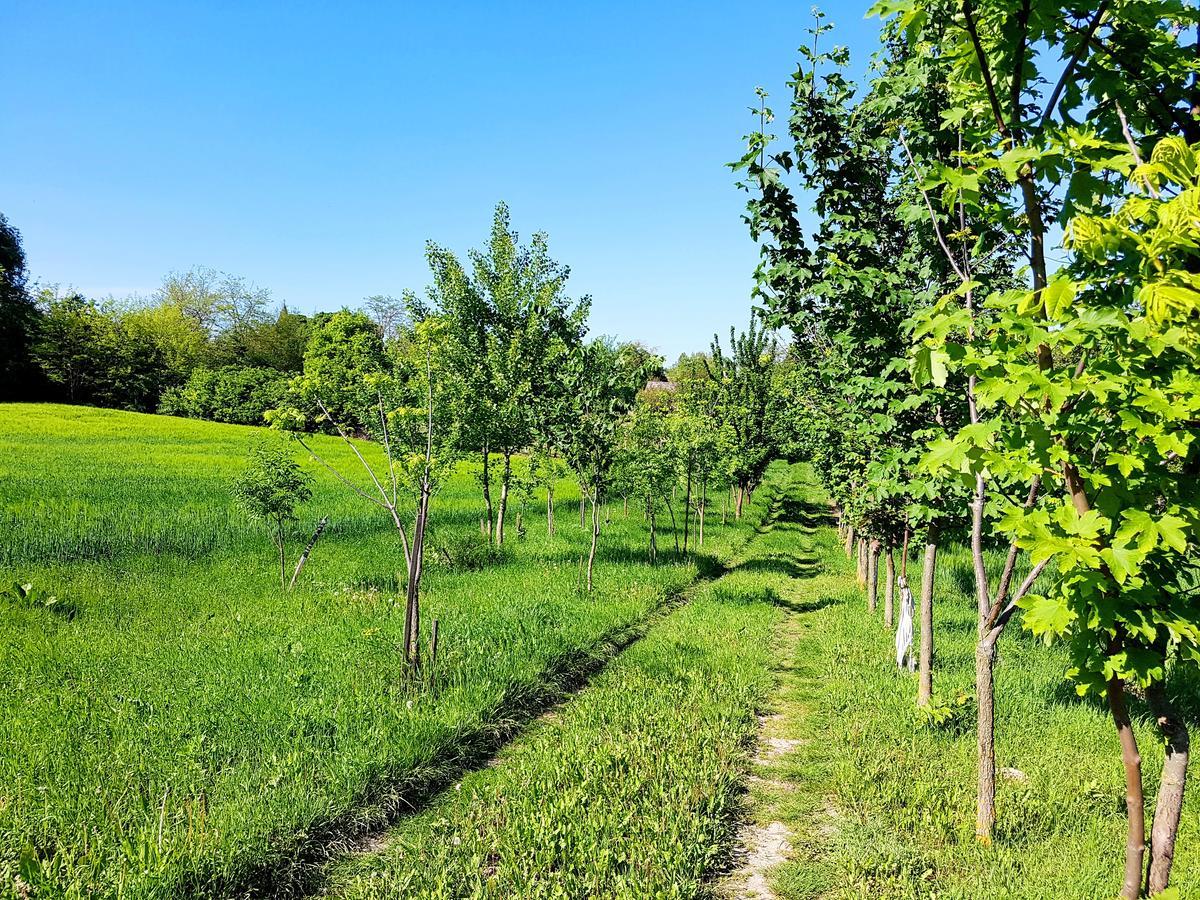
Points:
x=343, y=351
x=510, y=326
x=19, y=320
x=601, y=381
x=745, y=402
x=1127, y=67
x=269, y=490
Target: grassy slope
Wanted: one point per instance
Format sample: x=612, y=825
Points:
x=626, y=791
x=194, y=724
x=885, y=806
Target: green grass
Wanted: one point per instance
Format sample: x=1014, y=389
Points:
x=631, y=788
x=885, y=806
x=196, y=730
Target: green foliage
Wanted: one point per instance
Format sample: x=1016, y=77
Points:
x=239, y=395
x=19, y=321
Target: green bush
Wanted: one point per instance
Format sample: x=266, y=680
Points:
x=239, y=395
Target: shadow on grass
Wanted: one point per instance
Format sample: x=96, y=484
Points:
x=801, y=606
x=781, y=564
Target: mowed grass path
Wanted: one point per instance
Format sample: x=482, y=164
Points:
x=194, y=730
x=631, y=788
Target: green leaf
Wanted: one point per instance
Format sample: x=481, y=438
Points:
x=1046, y=616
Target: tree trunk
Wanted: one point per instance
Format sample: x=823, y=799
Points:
x=653, y=542
x=737, y=510
x=904, y=554
x=724, y=507
x=703, y=505
x=889, y=588
x=1170, y=792
x=925, y=660
x=550, y=509
x=307, y=550
x=487, y=492
x=674, y=525
x=582, y=518
x=985, y=736
x=849, y=541
x=687, y=507
x=502, y=510
x=862, y=563
x=1135, y=845
x=412, y=610
x=279, y=543
x=873, y=576
x=595, y=540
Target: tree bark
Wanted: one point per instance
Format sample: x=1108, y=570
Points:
x=307, y=550
x=861, y=573
x=502, y=510
x=703, y=505
x=985, y=736
x=1170, y=792
x=873, y=576
x=674, y=525
x=651, y=516
x=550, y=509
x=487, y=491
x=279, y=543
x=737, y=509
x=582, y=518
x=889, y=588
x=925, y=659
x=849, y=541
x=687, y=507
x=1135, y=845
x=595, y=540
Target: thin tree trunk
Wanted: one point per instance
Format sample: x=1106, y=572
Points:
x=582, y=519
x=985, y=736
x=595, y=540
x=1170, y=792
x=862, y=563
x=724, y=507
x=487, y=491
x=1135, y=844
x=502, y=510
x=904, y=553
x=687, y=507
x=925, y=659
x=849, y=541
x=737, y=510
x=872, y=576
x=279, y=543
x=653, y=542
x=703, y=506
x=889, y=588
x=550, y=509
x=674, y=525
x=307, y=550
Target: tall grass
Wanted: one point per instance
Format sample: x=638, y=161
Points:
x=194, y=729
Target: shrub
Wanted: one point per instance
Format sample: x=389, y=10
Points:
x=240, y=395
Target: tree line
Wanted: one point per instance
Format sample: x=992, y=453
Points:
x=970, y=381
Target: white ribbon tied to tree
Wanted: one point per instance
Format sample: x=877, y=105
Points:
x=904, y=630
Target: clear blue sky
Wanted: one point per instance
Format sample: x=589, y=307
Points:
x=314, y=147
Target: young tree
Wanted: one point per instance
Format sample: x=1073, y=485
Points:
x=269, y=490
x=601, y=381
x=510, y=324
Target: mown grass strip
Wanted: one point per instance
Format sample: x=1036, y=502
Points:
x=629, y=789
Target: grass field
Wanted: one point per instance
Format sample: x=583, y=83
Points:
x=631, y=789
x=194, y=729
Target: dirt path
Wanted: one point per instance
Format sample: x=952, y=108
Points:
x=764, y=841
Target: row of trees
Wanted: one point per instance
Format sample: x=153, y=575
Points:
x=493, y=367
x=965, y=380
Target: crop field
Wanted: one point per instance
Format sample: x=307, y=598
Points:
x=192, y=729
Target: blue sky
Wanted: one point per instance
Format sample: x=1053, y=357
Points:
x=314, y=147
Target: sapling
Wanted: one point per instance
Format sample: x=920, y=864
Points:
x=269, y=490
